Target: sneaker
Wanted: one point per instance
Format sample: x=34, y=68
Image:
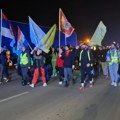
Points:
x=115, y=84
x=112, y=83
x=66, y=84
x=6, y=80
x=90, y=85
x=55, y=75
x=23, y=83
x=44, y=84
x=81, y=87
x=52, y=76
x=32, y=85
x=28, y=83
x=60, y=83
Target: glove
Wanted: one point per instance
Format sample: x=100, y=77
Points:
x=32, y=52
x=88, y=65
x=77, y=47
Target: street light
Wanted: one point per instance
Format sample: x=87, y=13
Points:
x=87, y=40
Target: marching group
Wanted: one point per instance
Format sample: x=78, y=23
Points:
x=62, y=62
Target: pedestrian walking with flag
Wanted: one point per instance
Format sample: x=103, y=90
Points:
x=39, y=72
x=69, y=65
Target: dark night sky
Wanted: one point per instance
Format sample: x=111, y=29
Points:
x=83, y=15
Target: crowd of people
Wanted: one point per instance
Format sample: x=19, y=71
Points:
x=34, y=66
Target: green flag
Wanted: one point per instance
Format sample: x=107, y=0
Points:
x=98, y=35
x=48, y=39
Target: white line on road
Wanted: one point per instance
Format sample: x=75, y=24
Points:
x=9, y=98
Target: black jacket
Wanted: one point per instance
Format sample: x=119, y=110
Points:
x=85, y=59
x=39, y=61
x=3, y=59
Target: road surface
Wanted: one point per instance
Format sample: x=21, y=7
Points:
x=55, y=102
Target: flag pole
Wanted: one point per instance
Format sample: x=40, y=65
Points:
x=59, y=28
x=1, y=31
x=30, y=46
x=65, y=40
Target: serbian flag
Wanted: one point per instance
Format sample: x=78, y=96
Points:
x=21, y=40
x=64, y=25
x=7, y=30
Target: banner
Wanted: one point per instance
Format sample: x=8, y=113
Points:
x=64, y=25
x=36, y=33
x=7, y=30
x=98, y=35
x=48, y=39
x=21, y=40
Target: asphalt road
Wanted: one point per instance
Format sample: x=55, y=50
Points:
x=55, y=102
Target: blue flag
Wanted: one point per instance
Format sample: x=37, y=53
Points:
x=36, y=33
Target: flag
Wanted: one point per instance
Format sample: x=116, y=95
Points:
x=48, y=39
x=98, y=35
x=0, y=29
x=7, y=30
x=36, y=33
x=21, y=40
x=64, y=25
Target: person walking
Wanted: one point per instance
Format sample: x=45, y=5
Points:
x=113, y=58
x=53, y=61
x=60, y=66
x=39, y=71
x=86, y=66
x=69, y=65
x=24, y=62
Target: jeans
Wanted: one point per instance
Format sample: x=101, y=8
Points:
x=24, y=70
x=68, y=74
x=85, y=72
x=113, y=69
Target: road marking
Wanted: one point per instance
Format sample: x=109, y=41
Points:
x=15, y=96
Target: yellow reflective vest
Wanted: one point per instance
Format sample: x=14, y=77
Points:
x=23, y=59
x=114, y=59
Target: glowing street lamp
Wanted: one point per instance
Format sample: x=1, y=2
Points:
x=87, y=40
